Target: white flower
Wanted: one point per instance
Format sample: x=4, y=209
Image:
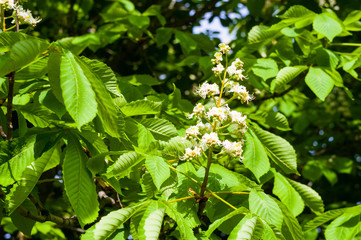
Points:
x=25, y=16
x=204, y=127
x=191, y=153
x=207, y=89
x=192, y=131
x=9, y=4
x=224, y=48
x=241, y=92
x=210, y=139
x=197, y=111
x=218, y=69
x=218, y=58
x=233, y=148
x=220, y=113
x=238, y=118
x=235, y=71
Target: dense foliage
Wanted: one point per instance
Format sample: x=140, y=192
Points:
x=117, y=121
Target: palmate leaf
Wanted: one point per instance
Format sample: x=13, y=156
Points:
x=310, y=197
x=151, y=222
x=111, y=222
x=21, y=54
x=319, y=82
x=15, y=156
x=278, y=149
x=106, y=107
x=251, y=229
x=158, y=169
x=78, y=182
x=124, y=163
x=141, y=107
x=219, y=222
x=285, y=75
x=255, y=157
x=265, y=207
x=77, y=92
x=288, y=195
x=160, y=128
x=28, y=181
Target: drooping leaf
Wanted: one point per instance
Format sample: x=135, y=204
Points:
x=278, y=149
x=28, y=180
x=285, y=75
x=78, y=182
x=327, y=26
x=160, y=128
x=265, y=207
x=123, y=163
x=255, y=157
x=141, y=107
x=111, y=222
x=151, y=223
x=77, y=92
x=310, y=197
x=158, y=169
x=15, y=156
x=288, y=195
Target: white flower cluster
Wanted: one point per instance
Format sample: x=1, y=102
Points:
x=24, y=16
x=221, y=123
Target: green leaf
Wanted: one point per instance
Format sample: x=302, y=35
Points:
x=323, y=218
x=141, y=107
x=77, y=92
x=21, y=54
x=28, y=180
x=160, y=128
x=25, y=225
x=106, y=107
x=278, y=149
x=163, y=36
x=158, y=169
x=151, y=223
x=185, y=230
x=311, y=197
x=265, y=207
x=37, y=114
x=8, y=38
x=326, y=58
x=320, y=82
x=78, y=182
x=111, y=222
x=175, y=145
x=255, y=157
x=288, y=195
x=14, y=158
x=124, y=163
x=291, y=229
x=155, y=10
x=139, y=21
x=140, y=79
x=285, y=75
x=327, y=26
x=186, y=41
x=344, y=226
x=144, y=137
x=251, y=229
x=36, y=69
x=218, y=222
x=265, y=68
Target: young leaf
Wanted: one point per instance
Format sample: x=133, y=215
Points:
x=320, y=82
x=15, y=156
x=310, y=197
x=286, y=75
x=278, y=149
x=78, y=95
x=28, y=181
x=288, y=195
x=265, y=207
x=151, y=223
x=78, y=182
x=158, y=169
x=255, y=157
